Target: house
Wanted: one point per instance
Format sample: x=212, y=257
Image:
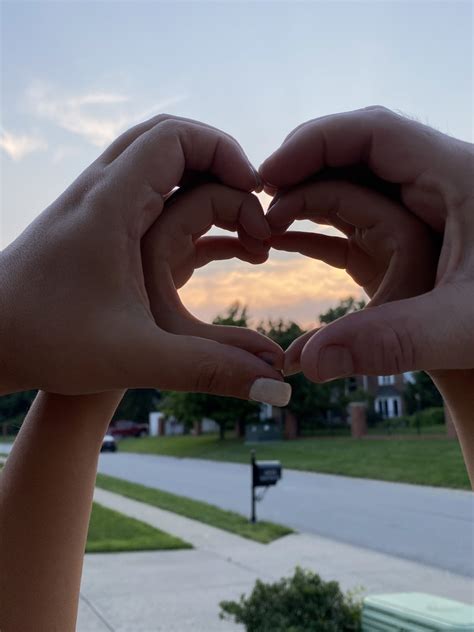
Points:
x=387, y=391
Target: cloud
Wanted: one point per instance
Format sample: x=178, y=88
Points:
x=17, y=146
x=98, y=117
x=294, y=288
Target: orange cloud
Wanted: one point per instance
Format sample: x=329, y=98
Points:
x=287, y=286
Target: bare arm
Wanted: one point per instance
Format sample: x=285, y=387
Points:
x=46, y=490
x=457, y=388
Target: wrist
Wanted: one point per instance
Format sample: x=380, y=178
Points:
x=91, y=412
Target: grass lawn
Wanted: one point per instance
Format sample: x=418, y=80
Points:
x=423, y=461
x=111, y=531
x=263, y=532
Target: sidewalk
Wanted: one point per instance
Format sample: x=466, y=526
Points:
x=179, y=591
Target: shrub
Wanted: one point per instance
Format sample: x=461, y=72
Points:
x=428, y=417
x=302, y=603
x=395, y=423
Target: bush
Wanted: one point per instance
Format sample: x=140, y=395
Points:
x=394, y=423
x=302, y=603
x=428, y=417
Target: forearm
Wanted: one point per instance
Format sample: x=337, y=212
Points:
x=46, y=490
x=457, y=388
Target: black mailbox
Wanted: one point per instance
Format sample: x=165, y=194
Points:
x=266, y=473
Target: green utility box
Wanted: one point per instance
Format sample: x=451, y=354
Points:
x=415, y=612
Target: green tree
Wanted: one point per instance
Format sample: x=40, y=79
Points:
x=346, y=306
x=137, y=404
x=14, y=407
x=192, y=407
x=422, y=393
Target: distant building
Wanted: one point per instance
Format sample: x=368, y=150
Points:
x=387, y=391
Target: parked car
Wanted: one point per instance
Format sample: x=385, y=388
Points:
x=108, y=444
x=121, y=429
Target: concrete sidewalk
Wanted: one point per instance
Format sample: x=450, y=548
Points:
x=180, y=590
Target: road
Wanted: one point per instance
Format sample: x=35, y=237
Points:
x=425, y=524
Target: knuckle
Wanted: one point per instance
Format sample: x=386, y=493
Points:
x=380, y=114
x=209, y=377
x=169, y=125
x=394, y=348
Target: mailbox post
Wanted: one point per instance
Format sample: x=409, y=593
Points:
x=264, y=474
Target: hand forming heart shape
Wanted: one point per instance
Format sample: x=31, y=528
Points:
x=78, y=297
x=75, y=315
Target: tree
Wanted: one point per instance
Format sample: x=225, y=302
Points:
x=346, y=306
x=137, y=404
x=422, y=393
x=14, y=407
x=192, y=407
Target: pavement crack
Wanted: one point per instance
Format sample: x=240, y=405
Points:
x=96, y=611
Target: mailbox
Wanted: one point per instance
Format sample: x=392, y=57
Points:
x=266, y=473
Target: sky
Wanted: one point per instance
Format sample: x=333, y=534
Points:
x=75, y=74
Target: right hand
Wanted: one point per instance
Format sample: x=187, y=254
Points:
x=75, y=317
x=434, y=329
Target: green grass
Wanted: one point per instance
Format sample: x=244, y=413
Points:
x=110, y=531
x=263, y=532
x=426, y=461
x=380, y=431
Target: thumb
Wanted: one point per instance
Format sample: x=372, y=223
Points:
x=189, y=363
x=419, y=333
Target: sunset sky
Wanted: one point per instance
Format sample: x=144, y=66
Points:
x=75, y=74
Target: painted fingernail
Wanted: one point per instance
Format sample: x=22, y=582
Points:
x=270, y=391
x=334, y=361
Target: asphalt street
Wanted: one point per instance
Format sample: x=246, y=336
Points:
x=428, y=525
x=424, y=524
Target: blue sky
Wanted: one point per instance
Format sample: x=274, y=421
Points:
x=75, y=74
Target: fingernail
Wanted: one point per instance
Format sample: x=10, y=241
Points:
x=333, y=362
x=291, y=368
x=270, y=391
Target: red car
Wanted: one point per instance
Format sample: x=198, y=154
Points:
x=122, y=429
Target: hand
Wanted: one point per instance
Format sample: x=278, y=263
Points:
x=432, y=330
x=175, y=246
x=75, y=315
x=387, y=250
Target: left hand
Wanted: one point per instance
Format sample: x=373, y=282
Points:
x=175, y=246
x=75, y=317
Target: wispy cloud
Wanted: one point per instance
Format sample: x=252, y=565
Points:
x=17, y=146
x=98, y=117
x=295, y=288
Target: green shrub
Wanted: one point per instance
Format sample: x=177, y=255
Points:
x=394, y=423
x=302, y=603
x=428, y=417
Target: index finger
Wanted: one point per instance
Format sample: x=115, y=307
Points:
x=163, y=154
x=395, y=149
